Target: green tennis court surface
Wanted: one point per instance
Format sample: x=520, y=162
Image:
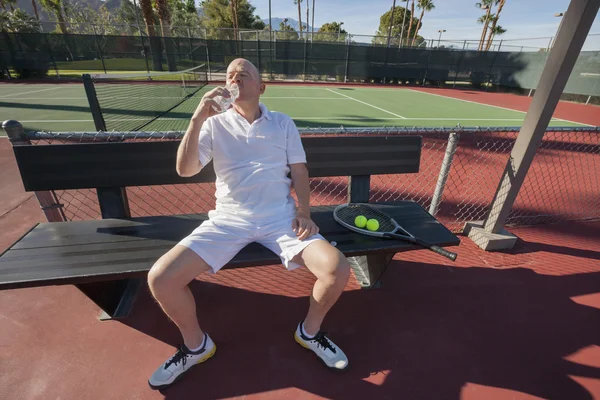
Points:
x=64, y=108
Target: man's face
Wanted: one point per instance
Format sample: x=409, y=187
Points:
x=245, y=75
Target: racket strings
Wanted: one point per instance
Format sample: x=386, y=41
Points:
x=348, y=215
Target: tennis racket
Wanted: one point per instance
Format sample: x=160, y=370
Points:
x=346, y=214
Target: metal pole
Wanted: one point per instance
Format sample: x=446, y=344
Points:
x=347, y=61
x=208, y=63
x=312, y=34
x=444, y=172
x=576, y=25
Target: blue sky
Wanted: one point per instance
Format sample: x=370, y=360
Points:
x=521, y=18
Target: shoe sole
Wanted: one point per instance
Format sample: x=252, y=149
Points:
x=301, y=343
x=200, y=361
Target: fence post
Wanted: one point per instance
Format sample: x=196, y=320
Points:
x=47, y=199
x=144, y=50
x=99, y=49
x=258, y=49
x=304, y=66
x=208, y=61
x=347, y=59
x=444, y=172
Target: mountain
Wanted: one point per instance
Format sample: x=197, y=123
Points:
x=291, y=22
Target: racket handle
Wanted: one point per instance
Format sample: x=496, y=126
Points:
x=444, y=252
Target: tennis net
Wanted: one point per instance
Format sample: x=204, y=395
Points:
x=129, y=102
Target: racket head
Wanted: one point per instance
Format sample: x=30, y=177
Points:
x=345, y=215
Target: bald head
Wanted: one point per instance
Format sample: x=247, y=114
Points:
x=246, y=76
x=241, y=64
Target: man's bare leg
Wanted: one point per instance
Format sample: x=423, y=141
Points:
x=168, y=280
x=332, y=270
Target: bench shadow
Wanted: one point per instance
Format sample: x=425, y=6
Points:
x=426, y=333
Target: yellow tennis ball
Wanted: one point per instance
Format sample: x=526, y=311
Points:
x=372, y=224
x=360, y=221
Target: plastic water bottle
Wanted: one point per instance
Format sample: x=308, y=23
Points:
x=225, y=102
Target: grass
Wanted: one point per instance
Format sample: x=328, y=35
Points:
x=64, y=107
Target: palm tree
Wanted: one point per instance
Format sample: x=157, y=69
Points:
x=412, y=12
x=148, y=14
x=165, y=26
x=55, y=7
x=496, y=30
x=299, y=15
x=494, y=22
x=11, y=3
x=485, y=20
x=234, y=18
x=35, y=9
x=424, y=5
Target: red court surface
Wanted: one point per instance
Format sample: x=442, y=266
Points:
x=522, y=325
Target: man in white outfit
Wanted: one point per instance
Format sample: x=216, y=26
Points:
x=253, y=150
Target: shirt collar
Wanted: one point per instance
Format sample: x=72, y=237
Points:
x=264, y=111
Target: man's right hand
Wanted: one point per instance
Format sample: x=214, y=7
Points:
x=205, y=108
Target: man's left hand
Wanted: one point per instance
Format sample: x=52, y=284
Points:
x=304, y=226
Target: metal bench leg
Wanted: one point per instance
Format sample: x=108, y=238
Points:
x=369, y=269
x=115, y=298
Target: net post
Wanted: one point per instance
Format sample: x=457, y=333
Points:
x=90, y=93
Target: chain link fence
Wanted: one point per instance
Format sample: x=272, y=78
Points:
x=459, y=173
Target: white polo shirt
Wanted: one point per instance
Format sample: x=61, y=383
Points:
x=251, y=162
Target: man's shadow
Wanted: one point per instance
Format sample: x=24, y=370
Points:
x=426, y=333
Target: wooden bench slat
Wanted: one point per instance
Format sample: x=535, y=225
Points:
x=100, y=250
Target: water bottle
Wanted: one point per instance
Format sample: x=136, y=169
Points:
x=225, y=102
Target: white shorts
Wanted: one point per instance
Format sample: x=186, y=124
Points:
x=220, y=238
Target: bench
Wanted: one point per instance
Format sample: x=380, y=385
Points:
x=107, y=259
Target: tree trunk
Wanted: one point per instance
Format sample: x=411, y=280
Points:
x=300, y=17
x=307, y=19
x=155, y=46
x=485, y=25
x=418, y=27
x=166, y=31
x=35, y=9
x=412, y=11
x=494, y=23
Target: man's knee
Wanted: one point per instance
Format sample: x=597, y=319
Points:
x=177, y=268
x=333, y=266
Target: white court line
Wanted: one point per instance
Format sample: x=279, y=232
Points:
x=489, y=105
x=33, y=91
x=370, y=105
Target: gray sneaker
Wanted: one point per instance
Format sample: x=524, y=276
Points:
x=331, y=355
x=180, y=363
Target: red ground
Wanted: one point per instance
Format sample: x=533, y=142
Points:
x=492, y=326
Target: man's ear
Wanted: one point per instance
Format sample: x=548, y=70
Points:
x=263, y=87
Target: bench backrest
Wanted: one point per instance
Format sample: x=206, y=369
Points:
x=110, y=167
